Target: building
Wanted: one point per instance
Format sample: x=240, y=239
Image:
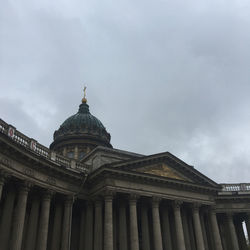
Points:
x=82, y=194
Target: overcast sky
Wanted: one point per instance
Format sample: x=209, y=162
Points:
x=162, y=75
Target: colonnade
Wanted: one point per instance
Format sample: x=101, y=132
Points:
x=35, y=219
x=130, y=222
x=25, y=217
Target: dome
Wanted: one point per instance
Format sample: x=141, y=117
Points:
x=82, y=129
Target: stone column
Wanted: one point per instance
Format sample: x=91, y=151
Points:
x=197, y=227
x=156, y=224
x=178, y=226
x=82, y=228
x=145, y=228
x=17, y=234
x=233, y=235
x=123, y=243
x=89, y=226
x=134, y=240
x=57, y=224
x=166, y=233
x=108, y=222
x=44, y=221
x=32, y=225
x=98, y=225
x=67, y=220
x=6, y=221
x=215, y=230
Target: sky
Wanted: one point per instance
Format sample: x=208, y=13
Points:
x=161, y=75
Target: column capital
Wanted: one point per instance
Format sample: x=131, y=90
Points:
x=108, y=194
x=47, y=194
x=69, y=199
x=195, y=207
x=98, y=201
x=25, y=186
x=212, y=210
x=133, y=198
x=177, y=204
x=156, y=201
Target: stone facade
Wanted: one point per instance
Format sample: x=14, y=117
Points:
x=113, y=200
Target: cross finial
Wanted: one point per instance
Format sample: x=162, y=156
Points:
x=84, y=100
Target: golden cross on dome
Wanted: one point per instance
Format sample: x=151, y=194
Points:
x=84, y=90
x=84, y=100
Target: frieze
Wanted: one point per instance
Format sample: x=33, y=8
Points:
x=19, y=170
x=6, y=161
x=29, y=172
x=51, y=180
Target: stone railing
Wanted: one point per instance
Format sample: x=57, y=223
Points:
x=39, y=149
x=237, y=187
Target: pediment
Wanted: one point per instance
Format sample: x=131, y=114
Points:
x=166, y=165
x=162, y=170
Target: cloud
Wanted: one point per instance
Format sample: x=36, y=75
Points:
x=161, y=75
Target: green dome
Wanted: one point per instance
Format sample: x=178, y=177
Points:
x=83, y=125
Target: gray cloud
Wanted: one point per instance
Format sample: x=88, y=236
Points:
x=161, y=75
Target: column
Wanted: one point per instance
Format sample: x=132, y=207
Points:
x=57, y=224
x=82, y=228
x=134, y=240
x=215, y=230
x=166, y=233
x=108, y=222
x=197, y=227
x=67, y=220
x=98, y=225
x=6, y=221
x=32, y=225
x=145, y=228
x=156, y=224
x=44, y=221
x=17, y=234
x=178, y=226
x=233, y=236
x=123, y=243
x=89, y=226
